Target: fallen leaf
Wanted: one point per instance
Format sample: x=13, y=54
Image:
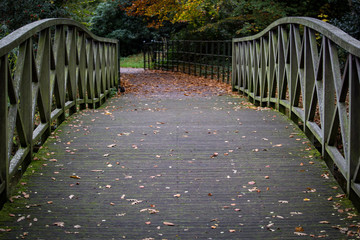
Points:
x=108, y=186
x=232, y=230
x=168, y=223
x=267, y=177
x=59, y=224
x=306, y=199
x=251, y=183
x=111, y=145
x=277, y=145
x=77, y=226
x=299, y=229
x=177, y=195
x=75, y=177
x=213, y=227
x=324, y=222
x=330, y=198
x=148, y=223
x=300, y=233
x=340, y=195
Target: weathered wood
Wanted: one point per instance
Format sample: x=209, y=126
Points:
x=308, y=81
x=163, y=159
x=44, y=70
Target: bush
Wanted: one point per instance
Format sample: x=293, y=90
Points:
x=110, y=21
x=17, y=13
x=350, y=22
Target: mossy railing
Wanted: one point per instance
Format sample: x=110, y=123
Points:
x=309, y=70
x=48, y=70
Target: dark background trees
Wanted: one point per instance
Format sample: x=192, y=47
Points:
x=135, y=21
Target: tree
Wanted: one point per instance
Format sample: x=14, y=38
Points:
x=81, y=10
x=195, y=12
x=350, y=21
x=110, y=20
x=17, y=13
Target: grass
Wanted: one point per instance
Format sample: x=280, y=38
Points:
x=133, y=61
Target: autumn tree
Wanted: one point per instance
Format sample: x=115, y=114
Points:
x=110, y=20
x=195, y=12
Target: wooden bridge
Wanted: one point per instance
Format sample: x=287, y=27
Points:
x=190, y=161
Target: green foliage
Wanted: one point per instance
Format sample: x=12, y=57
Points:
x=17, y=13
x=81, y=10
x=238, y=18
x=350, y=21
x=110, y=21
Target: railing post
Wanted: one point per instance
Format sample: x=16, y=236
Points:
x=72, y=67
x=60, y=53
x=4, y=126
x=206, y=57
x=233, y=66
x=43, y=65
x=354, y=123
x=144, y=54
x=229, y=62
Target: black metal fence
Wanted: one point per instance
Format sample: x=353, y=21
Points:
x=209, y=59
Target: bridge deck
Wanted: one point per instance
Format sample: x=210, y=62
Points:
x=212, y=166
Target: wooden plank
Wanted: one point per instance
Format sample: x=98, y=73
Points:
x=163, y=159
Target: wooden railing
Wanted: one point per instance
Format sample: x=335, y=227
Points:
x=48, y=70
x=209, y=59
x=309, y=70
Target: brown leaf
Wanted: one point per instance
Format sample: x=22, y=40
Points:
x=75, y=177
x=299, y=229
x=168, y=223
x=58, y=224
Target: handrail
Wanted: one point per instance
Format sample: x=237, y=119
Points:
x=309, y=70
x=49, y=70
